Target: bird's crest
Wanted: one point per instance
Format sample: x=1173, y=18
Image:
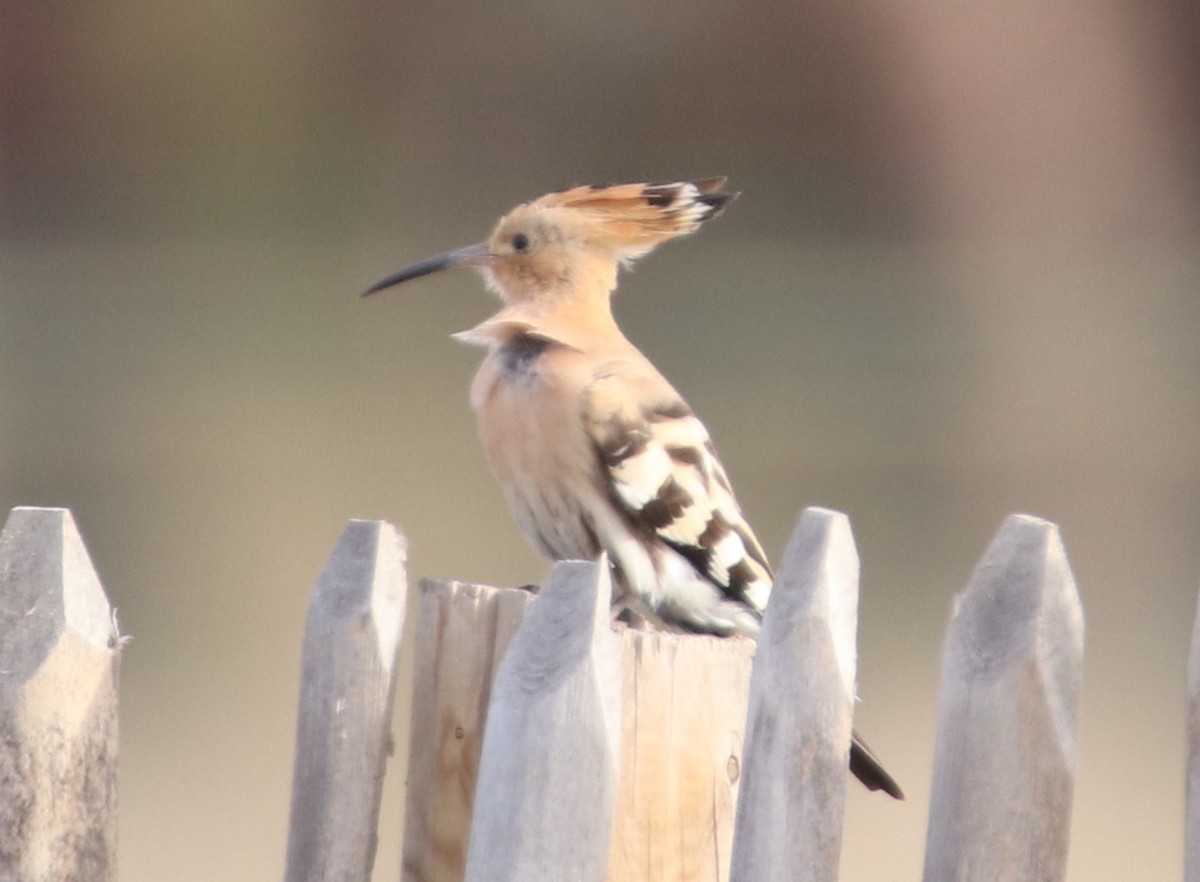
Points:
x=632, y=219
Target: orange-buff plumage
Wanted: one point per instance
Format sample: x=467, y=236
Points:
x=595, y=450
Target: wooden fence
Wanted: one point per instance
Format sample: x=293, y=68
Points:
x=607, y=753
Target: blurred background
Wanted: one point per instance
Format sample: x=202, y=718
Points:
x=963, y=280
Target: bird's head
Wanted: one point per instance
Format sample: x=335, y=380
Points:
x=576, y=239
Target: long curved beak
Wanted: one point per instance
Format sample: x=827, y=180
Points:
x=472, y=255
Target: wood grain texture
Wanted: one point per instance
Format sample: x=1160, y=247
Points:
x=343, y=732
x=463, y=632
x=59, y=659
x=1008, y=721
x=798, y=724
x=548, y=769
x=681, y=747
x=684, y=699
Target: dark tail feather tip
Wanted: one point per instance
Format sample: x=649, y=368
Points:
x=870, y=771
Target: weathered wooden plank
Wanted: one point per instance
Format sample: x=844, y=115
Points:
x=548, y=768
x=59, y=658
x=1191, y=872
x=684, y=698
x=798, y=725
x=464, y=631
x=1007, y=726
x=343, y=732
x=683, y=720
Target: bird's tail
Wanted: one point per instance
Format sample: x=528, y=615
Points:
x=867, y=768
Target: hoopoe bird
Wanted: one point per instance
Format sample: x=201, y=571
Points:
x=596, y=451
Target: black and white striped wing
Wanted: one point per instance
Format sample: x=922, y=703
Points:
x=663, y=473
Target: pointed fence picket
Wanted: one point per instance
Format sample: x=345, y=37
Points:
x=1004, y=769
x=347, y=684
x=544, y=745
x=548, y=767
x=789, y=823
x=59, y=656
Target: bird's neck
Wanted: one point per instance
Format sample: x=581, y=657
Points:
x=579, y=316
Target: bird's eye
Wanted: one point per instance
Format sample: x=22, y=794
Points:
x=520, y=242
